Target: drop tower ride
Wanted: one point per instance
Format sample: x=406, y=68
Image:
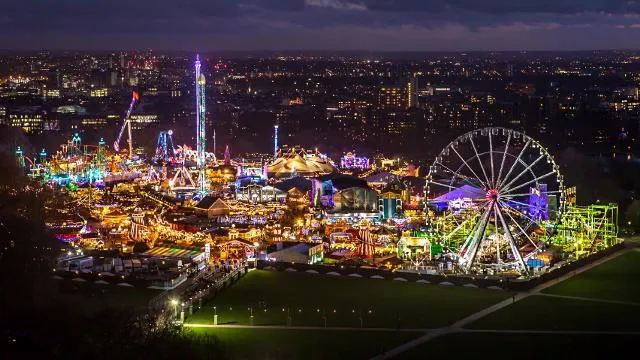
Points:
x=201, y=129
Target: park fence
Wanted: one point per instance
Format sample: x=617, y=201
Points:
x=506, y=283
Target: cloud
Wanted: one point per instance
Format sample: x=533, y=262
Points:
x=336, y=4
x=314, y=23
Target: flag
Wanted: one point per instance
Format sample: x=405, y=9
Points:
x=135, y=96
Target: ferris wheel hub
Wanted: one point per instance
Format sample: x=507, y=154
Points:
x=492, y=194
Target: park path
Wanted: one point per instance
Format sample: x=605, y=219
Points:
x=582, y=298
x=556, y=332
x=458, y=325
x=283, y=327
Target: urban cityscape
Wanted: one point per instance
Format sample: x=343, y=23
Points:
x=318, y=204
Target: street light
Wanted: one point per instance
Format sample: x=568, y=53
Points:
x=174, y=302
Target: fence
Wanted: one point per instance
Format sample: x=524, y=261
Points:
x=502, y=283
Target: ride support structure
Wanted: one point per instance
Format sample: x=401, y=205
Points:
x=127, y=124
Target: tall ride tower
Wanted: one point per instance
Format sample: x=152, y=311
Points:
x=275, y=141
x=200, y=129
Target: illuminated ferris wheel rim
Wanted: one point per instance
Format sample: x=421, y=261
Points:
x=500, y=220
x=480, y=176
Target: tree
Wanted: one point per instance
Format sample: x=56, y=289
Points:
x=27, y=250
x=632, y=215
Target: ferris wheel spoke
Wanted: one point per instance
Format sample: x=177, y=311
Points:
x=458, y=174
x=512, y=245
x=526, y=145
x=475, y=239
x=441, y=184
x=509, y=190
x=459, y=227
x=506, y=202
x=506, y=206
x=491, y=157
x=528, y=194
x=504, y=156
x=469, y=167
x=473, y=145
x=523, y=171
x=522, y=230
x=496, y=236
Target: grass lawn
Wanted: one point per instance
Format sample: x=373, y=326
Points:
x=304, y=344
x=525, y=346
x=547, y=313
x=616, y=279
x=306, y=297
x=94, y=297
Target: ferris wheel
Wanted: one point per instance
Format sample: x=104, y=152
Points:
x=493, y=189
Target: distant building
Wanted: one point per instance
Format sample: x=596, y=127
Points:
x=402, y=95
x=99, y=92
x=30, y=123
x=141, y=121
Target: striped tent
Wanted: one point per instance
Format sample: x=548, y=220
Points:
x=365, y=235
x=365, y=248
x=172, y=252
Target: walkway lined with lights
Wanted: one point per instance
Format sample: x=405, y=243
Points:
x=458, y=325
x=431, y=333
x=284, y=327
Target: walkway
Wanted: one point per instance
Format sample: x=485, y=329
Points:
x=458, y=325
x=589, y=299
x=283, y=327
x=558, y=332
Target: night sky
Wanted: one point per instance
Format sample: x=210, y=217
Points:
x=379, y=25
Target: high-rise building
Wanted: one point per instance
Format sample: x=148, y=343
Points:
x=390, y=97
x=402, y=95
x=411, y=89
x=3, y=115
x=509, y=70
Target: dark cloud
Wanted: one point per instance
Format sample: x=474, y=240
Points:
x=507, y=6
x=311, y=23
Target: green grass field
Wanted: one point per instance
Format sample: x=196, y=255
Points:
x=304, y=344
x=616, y=279
x=525, y=346
x=547, y=313
x=307, y=297
x=90, y=297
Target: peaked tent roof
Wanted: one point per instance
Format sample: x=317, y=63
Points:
x=465, y=191
x=206, y=202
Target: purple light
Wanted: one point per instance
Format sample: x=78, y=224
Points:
x=351, y=161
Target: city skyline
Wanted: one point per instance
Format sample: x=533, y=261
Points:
x=339, y=25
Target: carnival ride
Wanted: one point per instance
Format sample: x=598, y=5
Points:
x=127, y=124
x=165, y=150
x=486, y=189
x=583, y=230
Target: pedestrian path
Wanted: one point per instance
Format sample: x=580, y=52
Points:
x=558, y=332
x=283, y=327
x=589, y=299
